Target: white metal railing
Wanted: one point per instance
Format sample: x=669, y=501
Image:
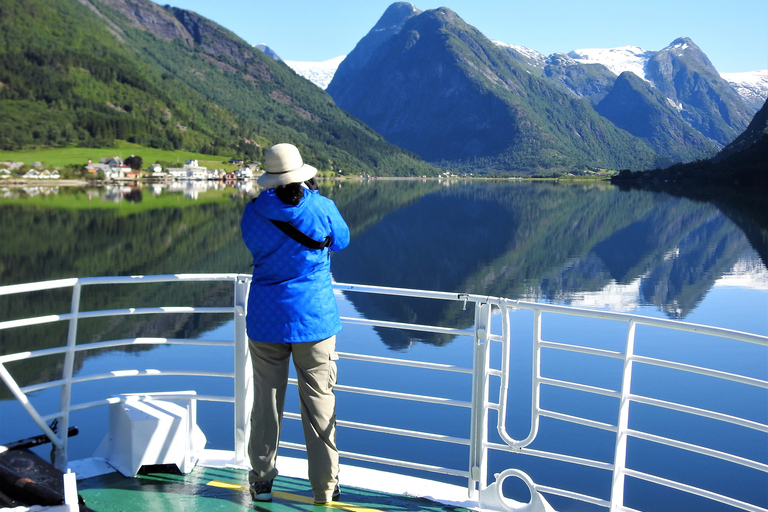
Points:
x=71, y=348
x=483, y=367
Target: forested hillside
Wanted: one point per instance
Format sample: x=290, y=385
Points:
x=90, y=71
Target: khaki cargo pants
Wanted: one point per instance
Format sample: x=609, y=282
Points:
x=315, y=364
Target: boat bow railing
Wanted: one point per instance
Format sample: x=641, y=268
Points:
x=486, y=367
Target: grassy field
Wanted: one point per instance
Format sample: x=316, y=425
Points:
x=64, y=157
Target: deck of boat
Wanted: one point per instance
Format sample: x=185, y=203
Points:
x=226, y=489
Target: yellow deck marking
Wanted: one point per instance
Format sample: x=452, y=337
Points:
x=227, y=485
x=296, y=497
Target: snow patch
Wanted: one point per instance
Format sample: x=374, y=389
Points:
x=319, y=73
x=535, y=57
x=677, y=106
x=618, y=60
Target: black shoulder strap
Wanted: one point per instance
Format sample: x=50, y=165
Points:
x=293, y=232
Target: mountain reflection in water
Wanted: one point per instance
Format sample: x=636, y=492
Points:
x=583, y=244
x=565, y=244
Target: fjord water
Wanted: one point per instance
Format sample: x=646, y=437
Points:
x=590, y=244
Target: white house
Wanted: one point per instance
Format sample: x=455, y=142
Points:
x=157, y=171
x=245, y=173
x=197, y=173
x=177, y=173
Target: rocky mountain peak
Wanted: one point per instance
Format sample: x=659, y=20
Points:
x=390, y=24
x=393, y=18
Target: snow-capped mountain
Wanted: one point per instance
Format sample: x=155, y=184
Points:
x=752, y=85
x=319, y=73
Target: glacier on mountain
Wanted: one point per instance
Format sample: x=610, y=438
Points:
x=752, y=85
x=618, y=60
x=319, y=73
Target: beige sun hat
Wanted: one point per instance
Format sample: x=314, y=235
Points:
x=284, y=165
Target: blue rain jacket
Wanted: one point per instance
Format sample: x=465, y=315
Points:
x=291, y=299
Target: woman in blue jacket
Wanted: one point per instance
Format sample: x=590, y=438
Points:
x=290, y=230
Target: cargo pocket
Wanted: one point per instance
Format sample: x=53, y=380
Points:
x=332, y=358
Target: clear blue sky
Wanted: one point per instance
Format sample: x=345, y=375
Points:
x=733, y=33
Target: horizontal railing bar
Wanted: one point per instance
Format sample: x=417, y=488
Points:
x=151, y=341
x=38, y=320
x=405, y=396
x=553, y=456
x=584, y=350
x=90, y=281
x=159, y=278
x=390, y=430
x=47, y=319
x=128, y=373
x=694, y=490
x=638, y=319
x=400, y=396
x=21, y=356
x=407, y=327
x=408, y=292
x=12, y=289
x=700, y=412
x=157, y=310
x=573, y=495
x=702, y=371
x=164, y=396
x=86, y=405
x=674, y=443
x=580, y=387
x=153, y=373
x=580, y=421
x=404, y=362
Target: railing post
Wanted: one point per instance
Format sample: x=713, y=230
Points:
x=478, y=464
x=60, y=453
x=243, y=373
x=620, y=456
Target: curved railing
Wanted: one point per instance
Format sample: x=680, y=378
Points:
x=488, y=365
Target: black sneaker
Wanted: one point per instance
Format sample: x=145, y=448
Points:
x=262, y=491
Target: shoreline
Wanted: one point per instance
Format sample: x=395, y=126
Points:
x=26, y=182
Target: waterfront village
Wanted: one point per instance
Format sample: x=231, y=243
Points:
x=115, y=169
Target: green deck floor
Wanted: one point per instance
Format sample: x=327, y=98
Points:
x=207, y=489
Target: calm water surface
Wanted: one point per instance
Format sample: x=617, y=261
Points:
x=589, y=245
